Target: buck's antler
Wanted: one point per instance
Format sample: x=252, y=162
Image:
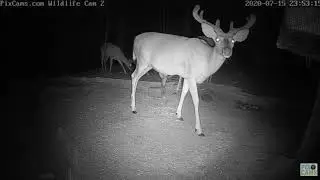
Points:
x=199, y=17
x=250, y=21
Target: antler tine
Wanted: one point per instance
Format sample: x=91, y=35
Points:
x=196, y=16
x=231, y=26
x=199, y=17
x=201, y=14
x=217, y=23
x=250, y=21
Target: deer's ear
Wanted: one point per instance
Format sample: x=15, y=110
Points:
x=241, y=35
x=208, y=31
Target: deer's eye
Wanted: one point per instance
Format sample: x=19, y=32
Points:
x=233, y=41
x=217, y=39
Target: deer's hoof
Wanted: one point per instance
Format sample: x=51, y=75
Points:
x=134, y=112
x=180, y=119
x=199, y=134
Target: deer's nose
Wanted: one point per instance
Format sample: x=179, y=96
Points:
x=227, y=52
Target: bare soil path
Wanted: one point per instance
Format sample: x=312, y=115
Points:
x=84, y=125
x=102, y=139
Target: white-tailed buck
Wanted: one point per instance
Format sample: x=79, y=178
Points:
x=190, y=58
x=112, y=53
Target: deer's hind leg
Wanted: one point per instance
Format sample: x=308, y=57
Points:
x=135, y=76
x=163, y=83
x=111, y=61
x=124, y=70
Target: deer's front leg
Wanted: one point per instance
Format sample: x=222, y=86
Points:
x=124, y=70
x=111, y=61
x=195, y=98
x=102, y=61
x=163, y=84
x=185, y=89
x=178, y=86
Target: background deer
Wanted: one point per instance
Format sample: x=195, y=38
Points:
x=190, y=58
x=112, y=52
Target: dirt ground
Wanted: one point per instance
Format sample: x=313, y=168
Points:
x=84, y=125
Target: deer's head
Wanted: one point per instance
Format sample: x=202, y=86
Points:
x=224, y=42
x=131, y=64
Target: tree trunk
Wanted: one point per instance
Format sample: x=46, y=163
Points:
x=163, y=18
x=300, y=34
x=107, y=22
x=121, y=32
x=308, y=150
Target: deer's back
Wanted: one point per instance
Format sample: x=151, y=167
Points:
x=172, y=55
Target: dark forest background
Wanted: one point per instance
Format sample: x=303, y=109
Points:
x=50, y=41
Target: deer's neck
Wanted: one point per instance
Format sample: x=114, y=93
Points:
x=215, y=62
